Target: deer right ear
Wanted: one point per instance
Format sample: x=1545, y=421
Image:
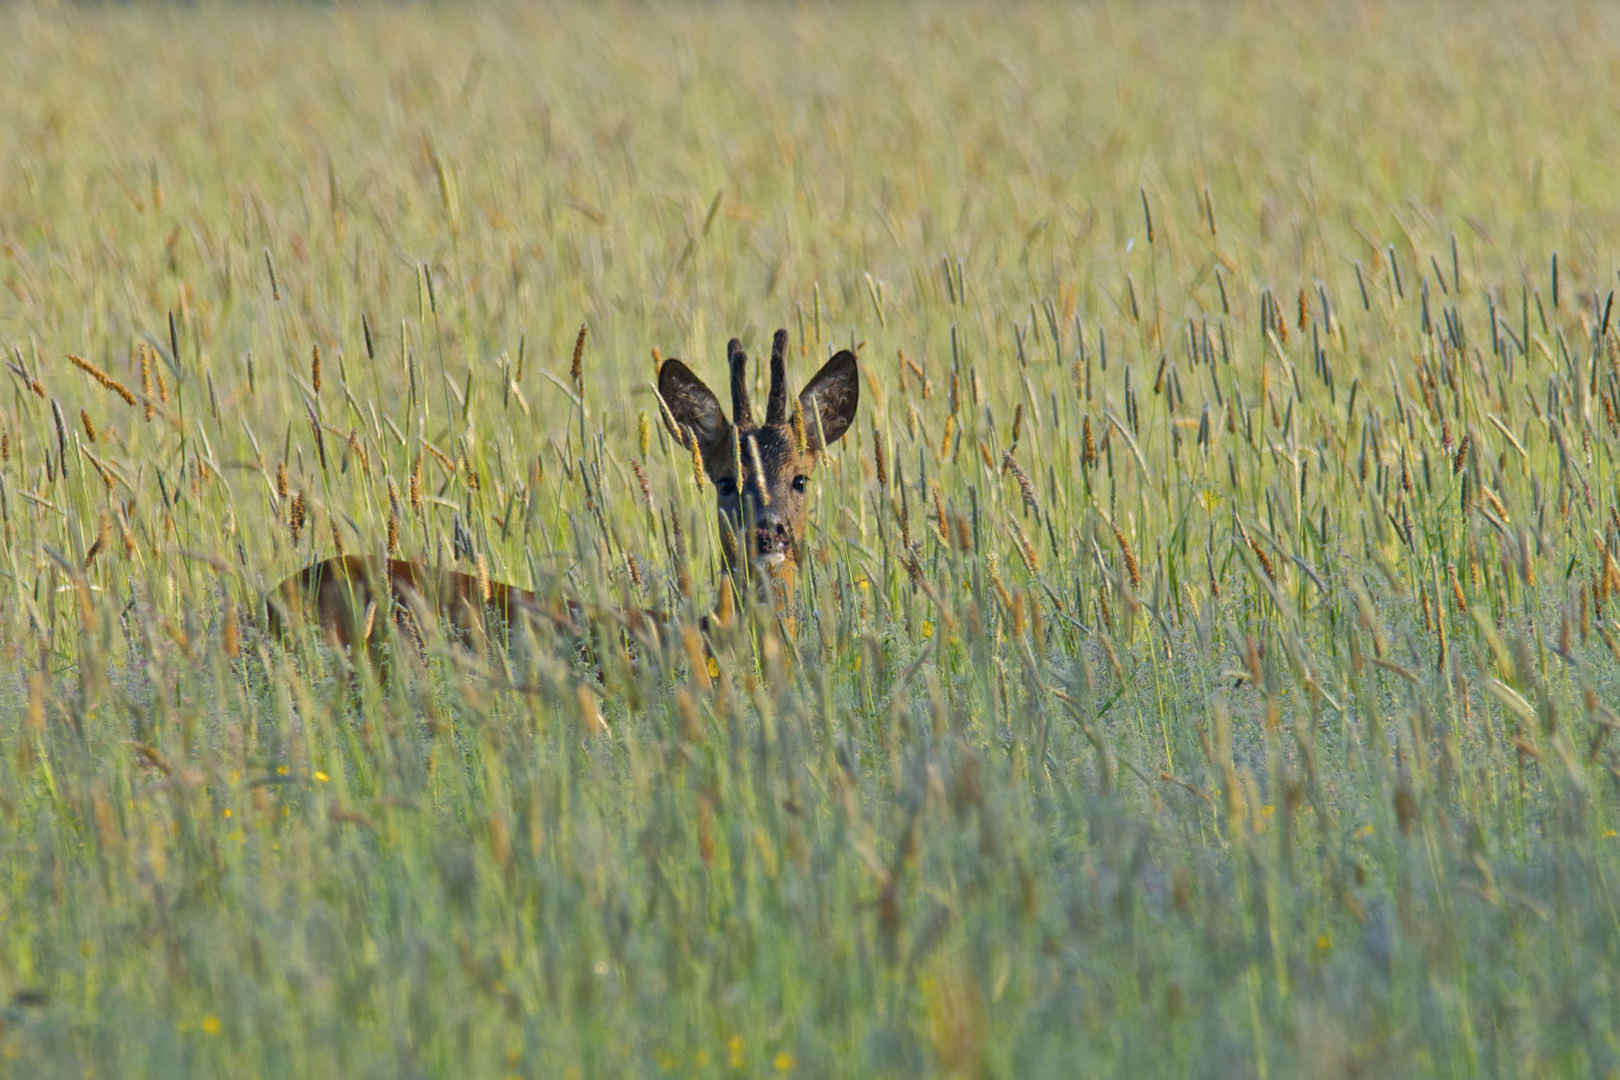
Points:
x=693, y=405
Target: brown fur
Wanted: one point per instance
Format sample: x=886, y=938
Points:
x=349, y=599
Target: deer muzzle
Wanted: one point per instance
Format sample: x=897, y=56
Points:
x=773, y=542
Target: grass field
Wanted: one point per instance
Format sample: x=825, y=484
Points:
x=1210, y=649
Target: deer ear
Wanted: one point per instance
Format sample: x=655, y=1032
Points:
x=832, y=395
x=693, y=405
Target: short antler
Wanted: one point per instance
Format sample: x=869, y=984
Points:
x=742, y=408
x=776, y=408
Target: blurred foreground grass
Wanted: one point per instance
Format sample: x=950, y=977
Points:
x=1210, y=660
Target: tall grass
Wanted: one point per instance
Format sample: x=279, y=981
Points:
x=1217, y=676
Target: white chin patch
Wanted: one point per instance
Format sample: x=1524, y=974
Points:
x=773, y=560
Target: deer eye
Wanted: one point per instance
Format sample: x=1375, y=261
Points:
x=727, y=487
x=800, y=483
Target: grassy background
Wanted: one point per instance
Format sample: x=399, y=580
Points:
x=1273, y=735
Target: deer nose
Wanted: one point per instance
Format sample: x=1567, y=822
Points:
x=770, y=533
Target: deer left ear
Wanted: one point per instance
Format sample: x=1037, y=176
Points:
x=833, y=396
x=693, y=405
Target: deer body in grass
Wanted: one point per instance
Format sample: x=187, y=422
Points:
x=761, y=474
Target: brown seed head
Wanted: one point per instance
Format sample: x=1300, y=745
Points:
x=643, y=484
x=697, y=457
x=102, y=377
x=1025, y=486
x=1130, y=556
x=1260, y=556
x=939, y=513
x=145, y=361
x=576, y=370
x=798, y=427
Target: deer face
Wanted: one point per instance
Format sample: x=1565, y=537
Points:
x=761, y=472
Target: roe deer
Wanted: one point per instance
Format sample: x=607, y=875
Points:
x=761, y=476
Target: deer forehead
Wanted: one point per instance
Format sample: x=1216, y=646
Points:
x=779, y=459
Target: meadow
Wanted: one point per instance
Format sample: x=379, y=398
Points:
x=1208, y=659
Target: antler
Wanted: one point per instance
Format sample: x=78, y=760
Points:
x=776, y=408
x=742, y=408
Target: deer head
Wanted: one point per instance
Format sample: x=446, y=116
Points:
x=761, y=472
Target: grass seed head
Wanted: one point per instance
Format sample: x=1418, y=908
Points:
x=1129, y=555
x=143, y=358
x=102, y=377
x=1026, y=487
x=642, y=484
x=697, y=457
x=877, y=456
x=576, y=370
